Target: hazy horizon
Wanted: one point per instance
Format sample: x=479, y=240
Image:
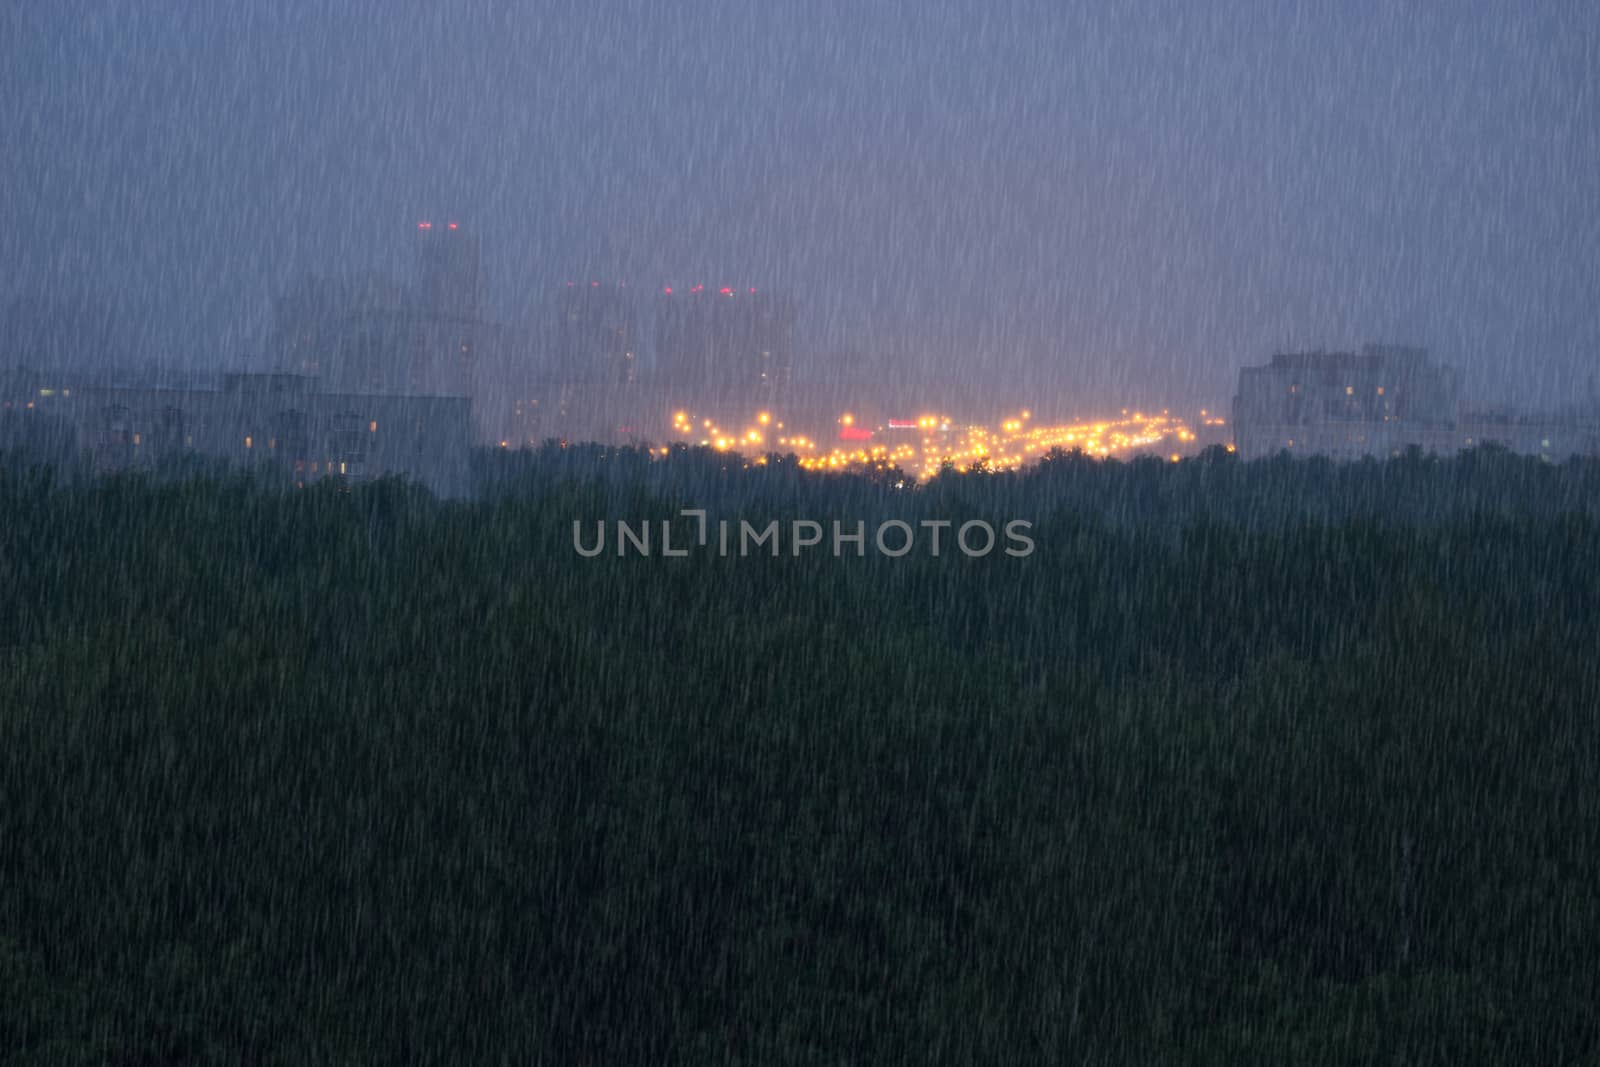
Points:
x=1122, y=207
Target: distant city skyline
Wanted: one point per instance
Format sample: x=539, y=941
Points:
x=1123, y=202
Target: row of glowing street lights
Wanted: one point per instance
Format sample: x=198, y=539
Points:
x=753, y=437
x=936, y=441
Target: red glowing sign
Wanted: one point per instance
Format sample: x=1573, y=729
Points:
x=455, y=226
x=726, y=291
x=667, y=290
x=902, y=424
x=854, y=433
x=424, y=225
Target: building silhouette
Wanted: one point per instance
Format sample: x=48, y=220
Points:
x=724, y=340
x=371, y=334
x=596, y=335
x=450, y=271
x=1380, y=402
x=279, y=421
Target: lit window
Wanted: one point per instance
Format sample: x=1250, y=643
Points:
x=272, y=442
x=1380, y=390
x=1349, y=390
x=136, y=439
x=341, y=468
x=373, y=428
x=248, y=443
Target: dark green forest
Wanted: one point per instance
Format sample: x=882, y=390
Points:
x=1279, y=762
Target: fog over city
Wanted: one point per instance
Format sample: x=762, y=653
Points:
x=800, y=532
x=1080, y=206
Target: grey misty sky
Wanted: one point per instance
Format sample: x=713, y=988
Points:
x=1122, y=201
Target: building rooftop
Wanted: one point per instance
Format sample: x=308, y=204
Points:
x=1372, y=357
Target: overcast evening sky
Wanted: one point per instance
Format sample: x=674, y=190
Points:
x=1120, y=201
